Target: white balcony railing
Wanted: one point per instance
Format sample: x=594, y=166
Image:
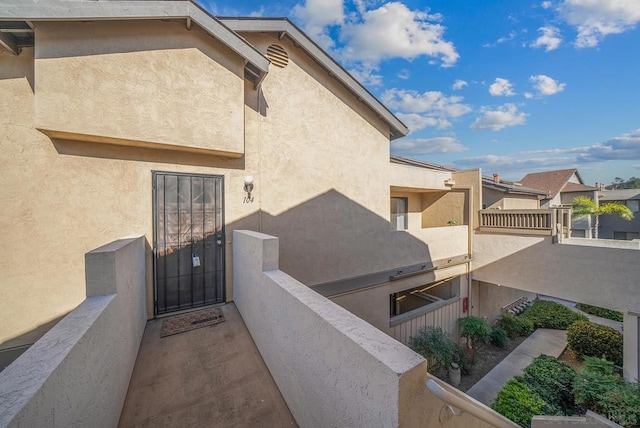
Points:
x=551, y=222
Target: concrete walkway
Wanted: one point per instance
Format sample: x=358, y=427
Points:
x=542, y=341
x=210, y=377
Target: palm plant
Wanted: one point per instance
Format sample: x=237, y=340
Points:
x=584, y=205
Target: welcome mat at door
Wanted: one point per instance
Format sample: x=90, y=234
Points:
x=191, y=321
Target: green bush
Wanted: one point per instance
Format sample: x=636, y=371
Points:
x=475, y=328
x=435, y=346
x=498, y=337
x=517, y=402
x=594, y=340
x=602, y=391
x=515, y=326
x=600, y=312
x=552, y=380
x=548, y=314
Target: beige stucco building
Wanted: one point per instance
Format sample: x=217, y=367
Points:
x=154, y=119
x=117, y=123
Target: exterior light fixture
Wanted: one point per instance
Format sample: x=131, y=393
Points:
x=248, y=185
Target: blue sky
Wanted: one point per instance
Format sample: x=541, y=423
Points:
x=508, y=86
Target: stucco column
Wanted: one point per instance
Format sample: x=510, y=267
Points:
x=631, y=345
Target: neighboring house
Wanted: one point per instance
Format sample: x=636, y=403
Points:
x=508, y=195
x=561, y=187
x=615, y=227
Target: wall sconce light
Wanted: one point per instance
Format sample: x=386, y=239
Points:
x=248, y=185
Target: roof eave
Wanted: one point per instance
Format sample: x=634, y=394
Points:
x=285, y=27
x=138, y=10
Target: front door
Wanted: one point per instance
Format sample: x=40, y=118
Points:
x=188, y=241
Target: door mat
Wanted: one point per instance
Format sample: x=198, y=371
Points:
x=191, y=321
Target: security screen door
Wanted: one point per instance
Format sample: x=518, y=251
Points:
x=188, y=241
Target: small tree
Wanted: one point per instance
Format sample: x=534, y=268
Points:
x=475, y=330
x=584, y=205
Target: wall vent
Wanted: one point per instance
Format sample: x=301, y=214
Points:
x=278, y=56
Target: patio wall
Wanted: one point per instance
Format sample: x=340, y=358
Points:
x=332, y=368
x=78, y=373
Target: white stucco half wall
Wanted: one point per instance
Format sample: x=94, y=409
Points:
x=77, y=375
x=332, y=368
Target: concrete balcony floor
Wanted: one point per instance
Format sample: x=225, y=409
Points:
x=212, y=376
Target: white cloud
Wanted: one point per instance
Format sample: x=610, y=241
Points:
x=511, y=36
x=429, y=109
x=501, y=87
x=432, y=102
x=503, y=163
x=528, y=95
x=549, y=39
x=426, y=146
x=624, y=147
x=596, y=19
x=395, y=31
x=546, y=4
x=503, y=117
x=459, y=84
x=367, y=74
x=545, y=85
x=317, y=15
x=416, y=122
x=404, y=74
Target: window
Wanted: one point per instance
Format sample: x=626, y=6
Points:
x=626, y=236
x=399, y=213
x=633, y=205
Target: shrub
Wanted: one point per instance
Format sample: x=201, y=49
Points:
x=552, y=380
x=600, y=312
x=606, y=393
x=498, y=337
x=594, y=340
x=435, y=345
x=548, y=314
x=475, y=328
x=515, y=326
x=517, y=402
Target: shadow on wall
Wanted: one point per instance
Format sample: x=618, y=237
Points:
x=594, y=275
x=326, y=238
x=13, y=348
x=331, y=237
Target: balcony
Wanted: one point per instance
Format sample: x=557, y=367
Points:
x=549, y=222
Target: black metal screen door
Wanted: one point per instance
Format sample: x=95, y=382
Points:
x=188, y=241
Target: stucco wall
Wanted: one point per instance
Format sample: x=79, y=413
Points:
x=489, y=299
x=152, y=82
x=492, y=198
x=372, y=304
x=319, y=157
x=346, y=373
x=78, y=373
x=471, y=180
x=62, y=198
x=600, y=276
x=403, y=176
x=438, y=209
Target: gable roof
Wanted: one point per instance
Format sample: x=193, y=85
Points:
x=550, y=182
x=283, y=27
x=576, y=187
x=20, y=15
x=502, y=185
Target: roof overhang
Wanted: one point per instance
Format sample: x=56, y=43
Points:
x=283, y=27
x=17, y=19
